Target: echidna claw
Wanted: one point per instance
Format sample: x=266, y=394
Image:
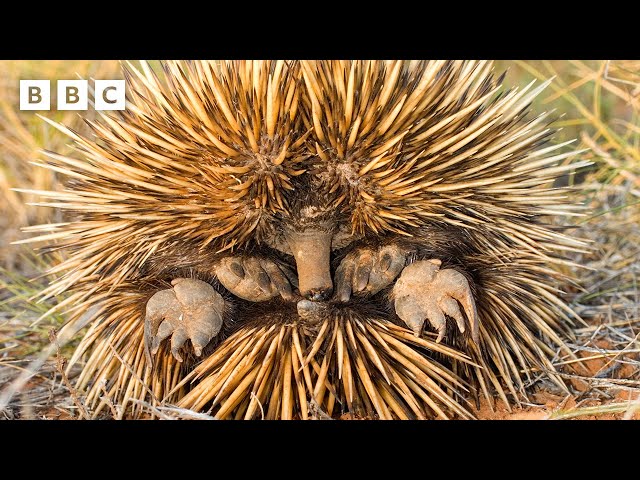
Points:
x=253, y=278
x=424, y=292
x=366, y=271
x=191, y=310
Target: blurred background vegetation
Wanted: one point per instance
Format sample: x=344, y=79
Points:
x=595, y=102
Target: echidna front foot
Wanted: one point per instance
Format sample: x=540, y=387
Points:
x=254, y=278
x=423, y=291
x=367, y=270
x=191, y=310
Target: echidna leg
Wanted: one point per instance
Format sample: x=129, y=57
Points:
x=366, y=271
x=424, y=292
x=191, y=310
x=255, y=279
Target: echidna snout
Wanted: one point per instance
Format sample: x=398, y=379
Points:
x=311, y=249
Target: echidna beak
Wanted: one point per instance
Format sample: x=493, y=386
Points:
x=312, y=251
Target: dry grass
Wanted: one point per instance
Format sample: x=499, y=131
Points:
x=598, y=103
x=602, y=105
x=609, y=347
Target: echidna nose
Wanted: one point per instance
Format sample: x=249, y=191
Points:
x=311, y=249
x=318, y=295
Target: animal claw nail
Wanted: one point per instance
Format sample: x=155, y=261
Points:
x=237, y=269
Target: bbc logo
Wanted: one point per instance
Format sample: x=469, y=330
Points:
x=72, y=95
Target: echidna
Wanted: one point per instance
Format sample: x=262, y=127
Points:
x=292, y=239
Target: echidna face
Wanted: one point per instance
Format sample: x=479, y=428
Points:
x=311, y=231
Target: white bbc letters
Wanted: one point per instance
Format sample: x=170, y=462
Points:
x=109, y=95
x=72, y=95
x=35, y=95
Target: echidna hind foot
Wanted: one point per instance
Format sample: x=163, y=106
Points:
x=191, y=310
x=424, y=292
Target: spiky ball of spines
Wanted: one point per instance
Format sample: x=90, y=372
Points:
x=201, y=163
